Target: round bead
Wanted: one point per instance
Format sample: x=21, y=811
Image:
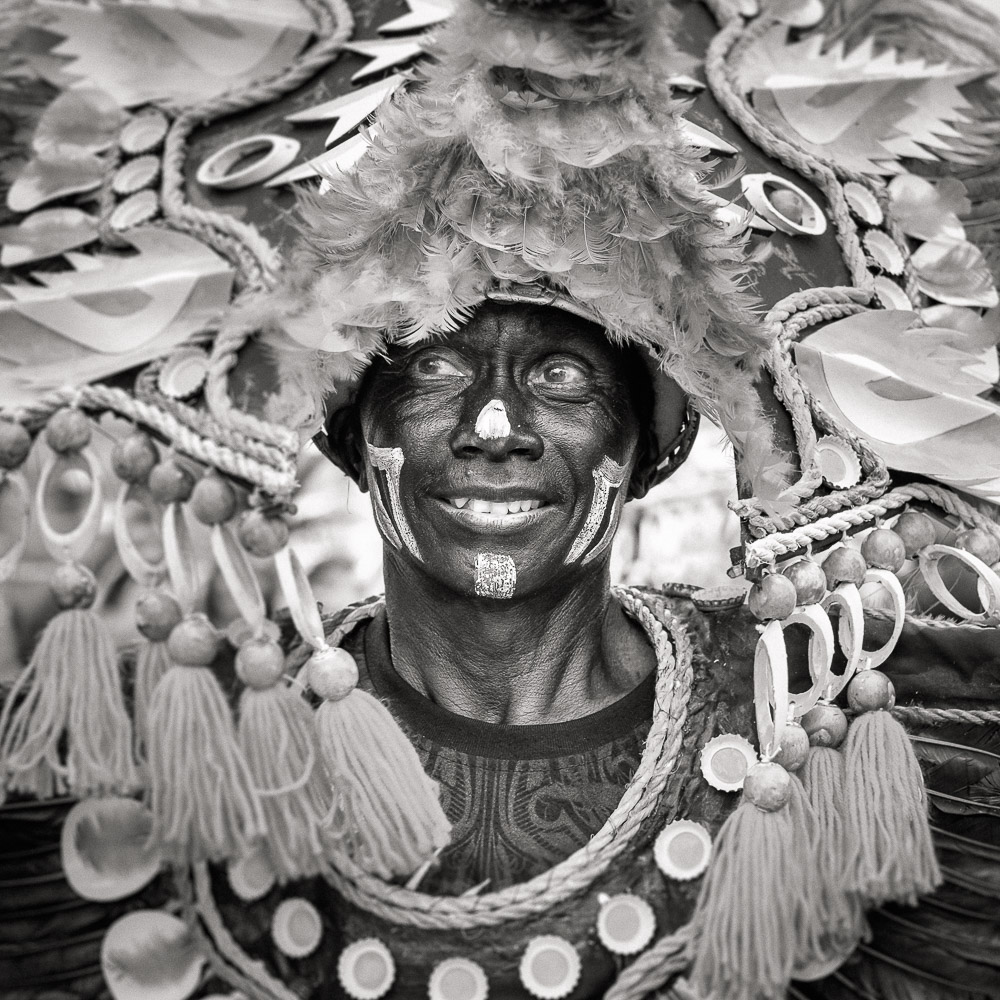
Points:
x=133, y=457
x=67, y=430
x=332, y=673
x=156, y=615
x=808, y=579
x=15, y=443
x=260, y=663
x=844, y=565
x=884, y=549
x=870, y=691
x=170, y=482
x=825, y=725
x=917, y=531
x=193, y=642
x=794, y=747
x=981, y=543
x=773, y=597
x=262, y=535
x=74, y=586
x=768, y=786
x=213, y=500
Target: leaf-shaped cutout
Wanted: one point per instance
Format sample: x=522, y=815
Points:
x=44, y=234
x=955, y=273
x=85, y=120
x=927, y=211
x=43, y=180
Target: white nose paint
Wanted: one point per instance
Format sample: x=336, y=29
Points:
x=492, y=421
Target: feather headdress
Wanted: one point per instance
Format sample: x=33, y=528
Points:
x=532, y=149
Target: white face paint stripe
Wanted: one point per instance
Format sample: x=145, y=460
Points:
x=496, y=575
x=608, y=537
x=492, y=421
x=390, y=461
x=607, y=476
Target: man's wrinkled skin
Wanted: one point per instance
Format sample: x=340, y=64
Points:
x=560, y=648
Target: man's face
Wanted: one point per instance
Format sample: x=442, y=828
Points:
x=499, y=458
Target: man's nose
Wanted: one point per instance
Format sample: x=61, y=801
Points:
x=496, y=431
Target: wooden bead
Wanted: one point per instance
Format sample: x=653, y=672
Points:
x=73, y=585
x=980, y=543
x=884, y=549
x=772, y=597
x=156, y=615
x=260, y=663
x=825, y=725
x=808, y=579
x=193, y=642
x=794, y=747
x=332, y=673
x=170, y=482
x=262, y=535
x=67, y=430
x=768, y=786
x=917, y=531
x=844, y=565
x=15, y=444
x=870, y=691
x=133, y=457
x=213, y=500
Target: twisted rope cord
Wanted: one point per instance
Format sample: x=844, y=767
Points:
x=576, y=873
x=668, y=956
x=34, y=415
x=764, y=551
x=797, y=302
x=942, y=716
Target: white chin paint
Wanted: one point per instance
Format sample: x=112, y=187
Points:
x=492, y=422
x=608, y=476
x=496, y=575
x=390, y=462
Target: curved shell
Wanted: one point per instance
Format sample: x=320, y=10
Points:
x=725, y=761
x=883, y=251
x=863, y=204
x=955, y=273
x=683, y=849
x=136, y=174
x=105, y=848
x=838, y=462
x=143, y=133
x=150, y=955
x=134, y=210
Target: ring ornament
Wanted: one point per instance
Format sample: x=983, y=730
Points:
x=15, y=504
x=891, y=583
x=298, y=594
x=770, y=689
x=180, y=557
x=813, y=222
x=238, y=574
x=850, y=634
x=820, y=655
x=72, y=544
x=989, y=583
x=141, y=569
x=216, y=171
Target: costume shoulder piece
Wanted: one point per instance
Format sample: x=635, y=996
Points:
x=789, y=206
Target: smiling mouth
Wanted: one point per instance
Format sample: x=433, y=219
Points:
x=496, y=509
x=492, y=517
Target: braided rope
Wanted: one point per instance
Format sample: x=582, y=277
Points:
x=668, y=956
x=942, y=716
x=764, y=551
x=576, y=873
x=278, y=482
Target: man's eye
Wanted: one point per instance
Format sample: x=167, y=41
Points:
x=559, y=373
x=437, y=366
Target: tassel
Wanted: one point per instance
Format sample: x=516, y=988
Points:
x=754, y=892
x=278, y=739
x=70, y=688
x=151, y=663
x=839, y=922
x=886, y=800
x=392, y=806
x=201, y=793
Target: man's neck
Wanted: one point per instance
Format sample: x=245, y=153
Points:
x=548, y=658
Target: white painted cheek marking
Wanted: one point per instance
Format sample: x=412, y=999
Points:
x=496, y=575
x=607, y=476
x=390, y=461
x=492, y=421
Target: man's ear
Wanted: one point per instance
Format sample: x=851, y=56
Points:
x=343, y=443
x=644, y=470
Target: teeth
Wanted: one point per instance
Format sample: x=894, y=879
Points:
x=460, y=501
x=481, y=506
x=496, y=509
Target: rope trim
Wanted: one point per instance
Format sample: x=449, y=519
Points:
x=942, y=716
x=576, y=873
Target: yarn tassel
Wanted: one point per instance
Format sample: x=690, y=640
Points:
x=839, y=918
x=886, y=811
x=755, y=891
x=64, y=727
x=390, y=804
x=151, y=663
x=201, y=793
x=278, y=739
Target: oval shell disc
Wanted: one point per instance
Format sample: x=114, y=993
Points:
x=863, y=203
x=251, y=877
x=626, y=924
x=143, y=133
x=838, y=462
x=296, y=927
x=550, y=967
x=134, y=210
x=150, y=955
x=366, y=969
x=105, y=847
x=725, y=761
x=683, y=849
x=135, y=175
x=458, y=979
